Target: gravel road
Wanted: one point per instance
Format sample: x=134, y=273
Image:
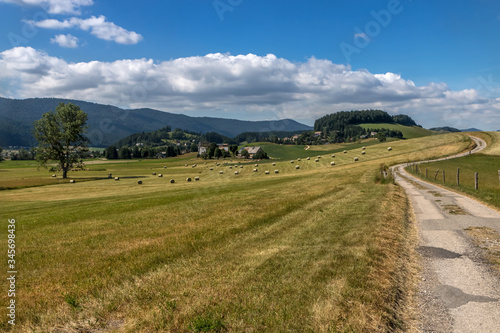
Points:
x=458, y=290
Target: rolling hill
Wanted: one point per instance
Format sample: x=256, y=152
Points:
x=108, y=124
x=409, y=132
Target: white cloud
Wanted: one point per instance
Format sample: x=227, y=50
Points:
x=98, y=26
x=253, y=86
x=55, y=6
x=67, y=41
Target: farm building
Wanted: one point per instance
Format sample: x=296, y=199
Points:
x=251, y=151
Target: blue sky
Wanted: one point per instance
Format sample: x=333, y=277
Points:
x=437, y=61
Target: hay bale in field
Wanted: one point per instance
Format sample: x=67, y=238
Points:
x=266, y=172
x=230, y=167
x=241, y=166
x=211, y=169
x=72, y=181
x=54, y=176
x=319, y=156
x=188, y=179
x=274, y=164
x=255, y=170
x=256, y=165
x=276, y=171
x=297, y=167
x=363, y=148
x=172, y=181
x=389, y=148
x=345, y=151
x=308, y=158
x=196, y=178
x=154, y=173
x=117, y=178
x=292, y=162
x=185, y=165
x=332, y=163
x=164, y=167
x=236, y=172
x=160, y=175
x=333, y=156
x=363, y=152
x=221, y=172
x=355, y=159
x=316, y=160
x=139, y=182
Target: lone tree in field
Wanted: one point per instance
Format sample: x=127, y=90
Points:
x=60, y=136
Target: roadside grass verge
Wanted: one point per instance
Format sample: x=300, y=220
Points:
x=487, y=166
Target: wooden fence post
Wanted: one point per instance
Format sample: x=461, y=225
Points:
x=444, y=179
x=458, y=176
x=476, y=181
x=435, y=177
x=427, y=175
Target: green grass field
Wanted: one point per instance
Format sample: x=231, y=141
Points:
x=408, y=132
x=318, y=249
x=487, y=167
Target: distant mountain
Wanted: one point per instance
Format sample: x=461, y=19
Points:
x=472, y=130
x=445, y=129
x=108, y=124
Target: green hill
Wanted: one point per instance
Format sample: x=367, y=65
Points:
x=409, y=132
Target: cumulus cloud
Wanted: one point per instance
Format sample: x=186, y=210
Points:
x=67, y=41
x=254, y=86
x=55, y=6
x=98, y=26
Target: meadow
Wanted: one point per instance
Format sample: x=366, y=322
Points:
x=409, y=132
x=317, y=249
x=486, y=164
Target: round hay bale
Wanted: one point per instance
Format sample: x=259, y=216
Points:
x=363, y=148
x=211, y=169
x=172, y=181
x=297, y=167
x=363, y=152
x=298, y=159
x=255, y=170
x=332, y=163
x=241, y=166
x=266, y=172
x=188, y=179
x=230, y=167
x=333, y=156
x=308, y=158
x=160, y=175
x=164, y=167
x=154, y=173
x=196, y=178
x=345, y=151
x=316, y=160
x=185, y=165
x=236, y=172
x=389, y=148
x=319, y=156
x=139, y=182
x=72, y=181
x=355, y=159
x=276, y=171
x=117, y=178
x=274, y=164
x=256, y=165
x=221, y=172
x=54, y=176
x=292, y=162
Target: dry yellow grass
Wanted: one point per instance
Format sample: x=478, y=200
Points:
x=317, y=249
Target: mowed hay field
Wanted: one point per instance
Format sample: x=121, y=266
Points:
x=322, y=248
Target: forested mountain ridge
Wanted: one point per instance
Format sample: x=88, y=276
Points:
x=108, y=124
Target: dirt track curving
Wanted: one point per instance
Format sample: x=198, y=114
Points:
x=458, y=291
